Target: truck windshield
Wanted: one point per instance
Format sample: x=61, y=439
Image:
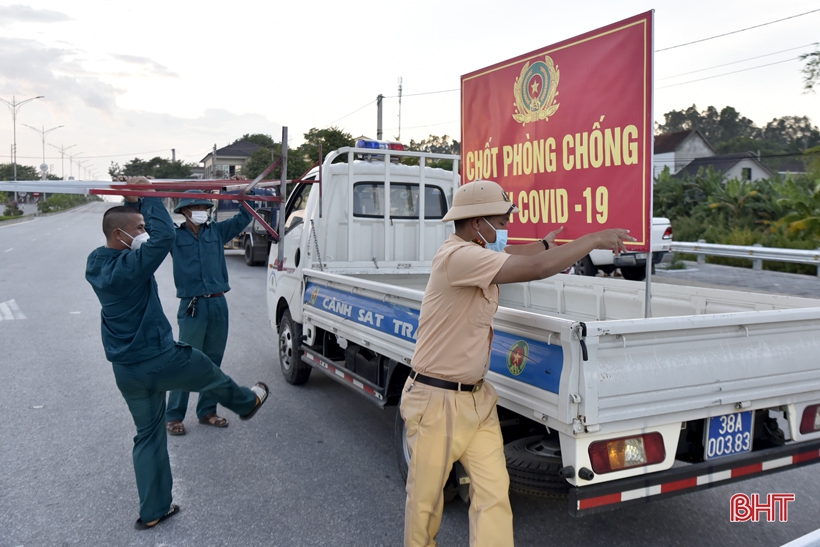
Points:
x=368, y=200
x=297, y=205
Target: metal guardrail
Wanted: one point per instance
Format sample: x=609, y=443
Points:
x=756, y=253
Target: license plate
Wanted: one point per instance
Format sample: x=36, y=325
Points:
x=729, y=435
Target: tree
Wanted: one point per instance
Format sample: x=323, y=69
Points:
x=716, y=126
x=262, y=158
x=331, y=139
x=259, y=139
x=159, y=168
x=24, y=172
x=435, y=145
x=792, y=133
x=811, y=70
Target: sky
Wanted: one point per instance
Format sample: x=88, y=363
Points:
x=137, y=79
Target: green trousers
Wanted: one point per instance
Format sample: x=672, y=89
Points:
x=143, y=385
x=207, y=332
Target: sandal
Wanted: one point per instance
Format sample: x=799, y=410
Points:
x=175, y=427
x=214, y=420
x=140, y=525
x=261, y=391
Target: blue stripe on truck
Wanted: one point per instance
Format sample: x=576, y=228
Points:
x=530, y=361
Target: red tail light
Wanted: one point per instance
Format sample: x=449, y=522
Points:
x=626, y=452
x=811, y=419
x=668, y=233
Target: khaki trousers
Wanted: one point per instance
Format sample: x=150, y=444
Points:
x=443, y=427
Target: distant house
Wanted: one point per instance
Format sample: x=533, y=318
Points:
x=791, y=167
x=741, y=166
x=677, y=150
x=229, y=160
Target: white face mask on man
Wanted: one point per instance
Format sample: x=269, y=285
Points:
x=198, y=217
x=136, y=242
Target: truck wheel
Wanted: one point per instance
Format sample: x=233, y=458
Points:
x=403, y=457
x=249, y=253
x=290, y=339
x=634, y=273
x=533, y=464
x=586, y=267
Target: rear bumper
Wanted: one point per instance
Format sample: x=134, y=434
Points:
x=681, y=480
x=637, y=259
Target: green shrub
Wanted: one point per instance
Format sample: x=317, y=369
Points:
x=12, y=210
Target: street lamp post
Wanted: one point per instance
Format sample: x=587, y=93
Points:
x=71, y=164
x=62, y=150
x=43, y=132
x=79, y=167
x=14, y=106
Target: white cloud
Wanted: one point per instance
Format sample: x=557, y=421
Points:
x=155, y=69
x=18, y=13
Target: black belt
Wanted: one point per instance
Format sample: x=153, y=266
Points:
x=444, y=384
x=214, y=295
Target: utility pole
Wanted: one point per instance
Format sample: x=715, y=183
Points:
x=173, y=154
x=379, y=116
x=62, y=150
x=399, y=137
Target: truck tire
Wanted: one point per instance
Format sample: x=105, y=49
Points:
x=634, y=273
x=586, y=267
x=249, y=253
x=403, y=457
x=533, y=464
x=290, y=339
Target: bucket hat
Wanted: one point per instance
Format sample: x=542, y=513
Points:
x=479, y=198
x=187, y=202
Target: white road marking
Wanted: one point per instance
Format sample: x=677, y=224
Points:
x=10, y=311
x=5, y=312
x=75, y=312
x=9, y=249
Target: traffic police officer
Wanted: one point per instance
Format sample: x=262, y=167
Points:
x=139, y=343
x=448, y=409
x=201, y=278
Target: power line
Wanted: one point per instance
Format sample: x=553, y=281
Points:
x=735, y=31
x=346, y=115
x=425, y=93
x=734, y=62
x=728, y=73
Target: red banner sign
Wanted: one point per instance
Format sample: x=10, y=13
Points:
x=567, y=131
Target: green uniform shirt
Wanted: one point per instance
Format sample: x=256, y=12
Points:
x=134, y=326
x=199, y=262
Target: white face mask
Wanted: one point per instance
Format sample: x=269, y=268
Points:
x=198, y=217
x=136, y=242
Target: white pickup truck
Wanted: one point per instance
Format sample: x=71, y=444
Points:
x=597, y=403
x=632, y=265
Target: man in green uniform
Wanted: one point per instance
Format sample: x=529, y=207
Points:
x=201, y=278
x=139, y=343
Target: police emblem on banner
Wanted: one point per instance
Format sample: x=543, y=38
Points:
x=535, y=90
x=517, y=357
x=314, y=295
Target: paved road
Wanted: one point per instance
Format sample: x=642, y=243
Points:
x=727, y=277
x=315, y=467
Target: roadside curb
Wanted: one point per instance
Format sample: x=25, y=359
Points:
x=33, y=216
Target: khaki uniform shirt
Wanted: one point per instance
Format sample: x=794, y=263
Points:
x=456, y=319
